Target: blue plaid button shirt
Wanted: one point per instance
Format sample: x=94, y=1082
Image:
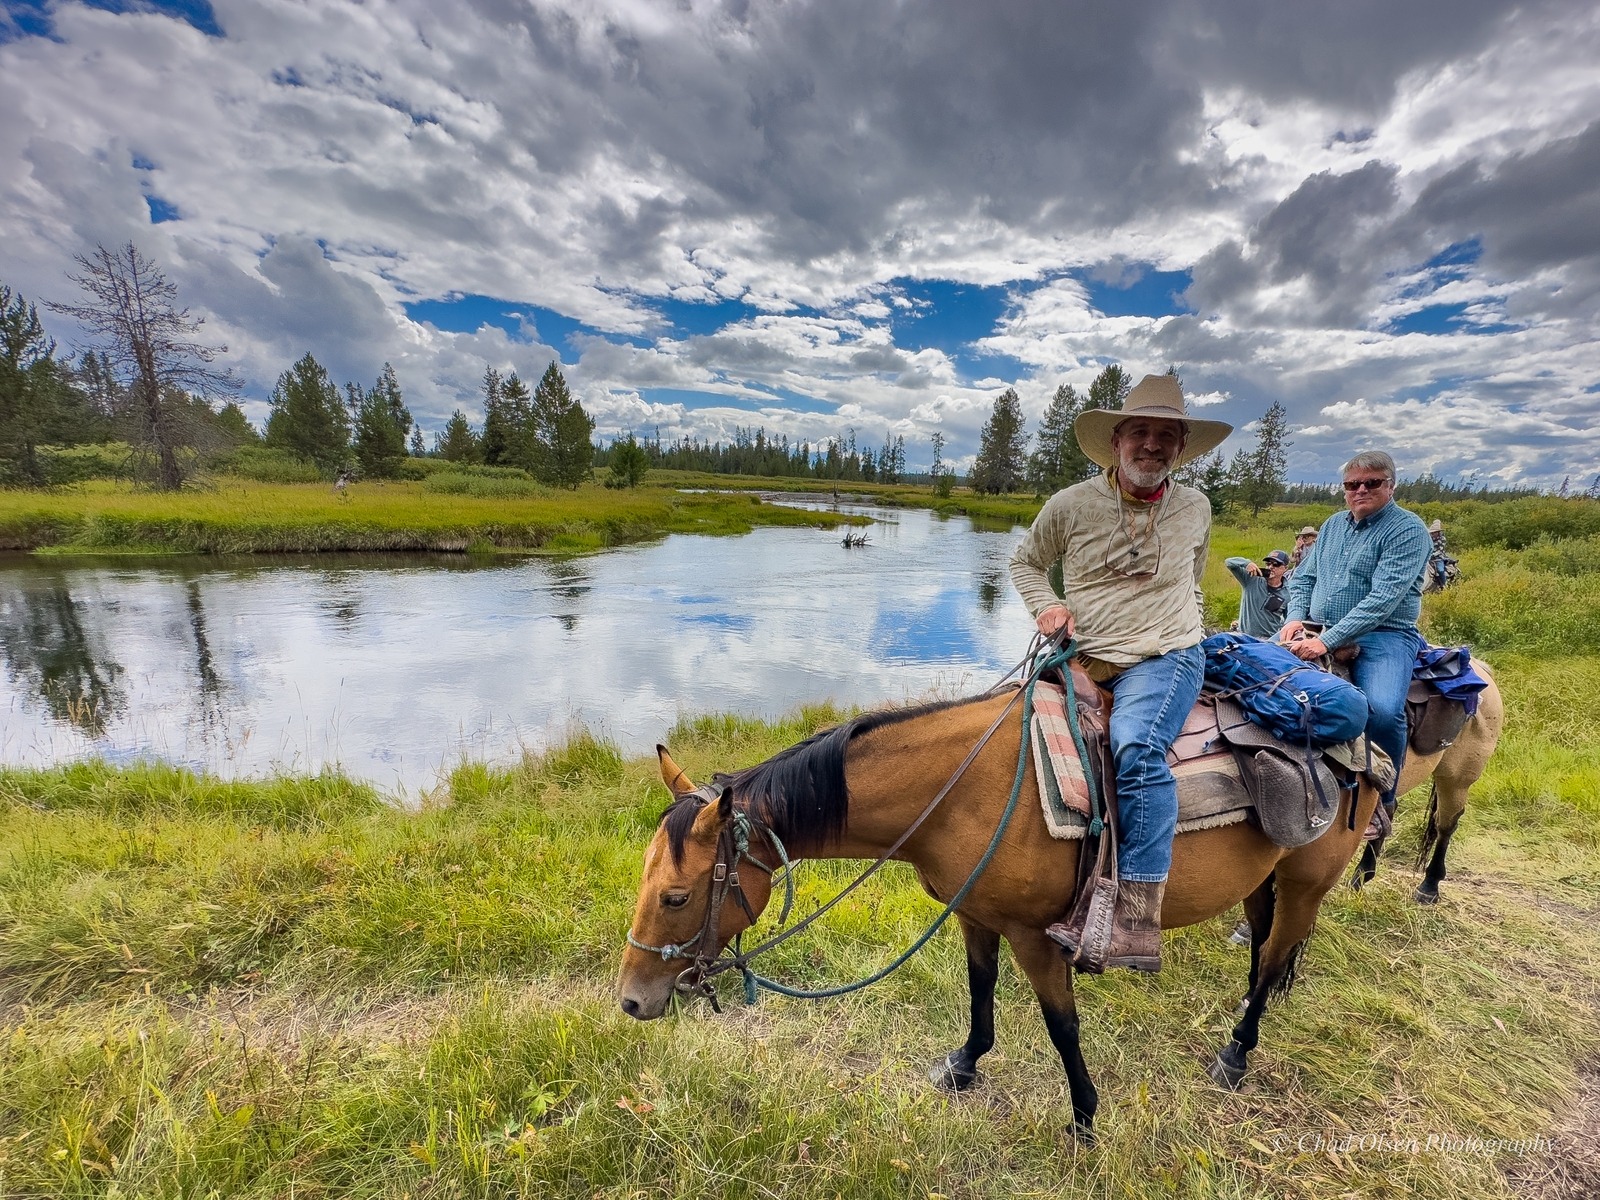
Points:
x=1362, y=575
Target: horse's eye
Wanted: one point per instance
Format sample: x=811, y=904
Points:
x=675, y=899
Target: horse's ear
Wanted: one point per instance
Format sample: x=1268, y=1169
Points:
x=677, y=781
x=725, y=804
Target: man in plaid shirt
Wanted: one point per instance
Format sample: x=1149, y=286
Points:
x=1361, y=585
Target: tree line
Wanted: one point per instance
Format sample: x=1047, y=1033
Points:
x=1253, y=479
x=152, y=382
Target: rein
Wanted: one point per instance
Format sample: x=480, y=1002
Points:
x=733, y=847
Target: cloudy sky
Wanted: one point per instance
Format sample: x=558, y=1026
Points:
x=825, y=215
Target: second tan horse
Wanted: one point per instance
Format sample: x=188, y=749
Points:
x=851, y=791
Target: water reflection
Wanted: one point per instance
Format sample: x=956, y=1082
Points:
x=51, y=655
x=392, y=666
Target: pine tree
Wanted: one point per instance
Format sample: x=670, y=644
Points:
x=458, y=443
x=1210, y=475
x=516, y=403
x=1057, y=459
x=561, y=432
x=499, y=430
x=418, y=446
x=232, y=421
x=1109, y=389
x=943, y=479
x=628, y=463
x=1002, y=448
x=32, y=387
x=380, y=422
x=308, y=418
x=1267, y=467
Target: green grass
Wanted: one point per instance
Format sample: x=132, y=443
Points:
x=289, y=986
x=447, y=511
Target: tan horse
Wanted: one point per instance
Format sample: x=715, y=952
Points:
x=1454, y=769
x=851, y=791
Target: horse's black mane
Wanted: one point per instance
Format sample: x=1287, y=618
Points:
x=799, y=792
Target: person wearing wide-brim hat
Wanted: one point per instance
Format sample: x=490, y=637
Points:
x=1131, y=545
x=1303, y=541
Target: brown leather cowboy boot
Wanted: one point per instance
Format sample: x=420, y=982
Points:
x=1136, y=926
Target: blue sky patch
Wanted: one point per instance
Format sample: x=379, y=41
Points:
x=946, y=316
x=1436, y=318
x=687, y=318
x=470, y=313
x=198, y=13
x=161, y=210
x=1457, y=254
x=1153, y=294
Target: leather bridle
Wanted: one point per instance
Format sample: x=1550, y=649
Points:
x=733, y=848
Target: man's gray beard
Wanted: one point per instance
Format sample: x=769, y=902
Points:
x=1146, y=479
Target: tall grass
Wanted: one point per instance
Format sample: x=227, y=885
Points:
x=289, y=987
x=448, y=511
x=248, y=989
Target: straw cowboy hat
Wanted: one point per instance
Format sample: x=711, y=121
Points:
x=1307, y=531
x=1154, y=396
x=1437, y=526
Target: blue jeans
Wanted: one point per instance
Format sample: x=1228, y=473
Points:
x=1153, y=698
x=1383, y=673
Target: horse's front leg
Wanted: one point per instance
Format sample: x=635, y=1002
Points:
x=959, y=1069
x=1042, y=961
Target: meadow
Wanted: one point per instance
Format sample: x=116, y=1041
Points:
x=478, y=512
x=291, y=987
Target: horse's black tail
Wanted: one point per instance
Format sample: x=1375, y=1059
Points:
x=1430, y=835
x=1291, y=967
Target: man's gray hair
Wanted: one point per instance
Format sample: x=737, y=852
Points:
x=1371, y=460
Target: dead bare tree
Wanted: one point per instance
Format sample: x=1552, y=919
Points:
x=150, y=346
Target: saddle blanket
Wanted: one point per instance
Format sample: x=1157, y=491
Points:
x=1220, y=799
x=1211, y=788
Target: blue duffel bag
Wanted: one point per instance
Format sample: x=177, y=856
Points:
x=1290, y=698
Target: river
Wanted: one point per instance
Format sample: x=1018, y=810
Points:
x=395, y=668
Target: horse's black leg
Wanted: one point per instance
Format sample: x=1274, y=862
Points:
x=1047, y=970
x=1368, y=866
x=959, y=1069
x=1439, y=834
x=1289, y=919
x=1258, y=911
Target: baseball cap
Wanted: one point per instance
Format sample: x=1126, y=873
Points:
x=1277, y=558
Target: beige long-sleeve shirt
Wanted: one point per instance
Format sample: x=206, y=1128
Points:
x=1120, y=619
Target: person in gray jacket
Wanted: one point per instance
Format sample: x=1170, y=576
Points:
x=1263, y=598
x=1131, y=543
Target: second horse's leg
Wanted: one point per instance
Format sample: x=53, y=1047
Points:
x=959, y=1069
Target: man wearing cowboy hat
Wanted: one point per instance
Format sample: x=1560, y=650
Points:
x=1303, y=541
x=1131, y=544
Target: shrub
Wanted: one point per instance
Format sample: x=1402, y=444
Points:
x=265, y=464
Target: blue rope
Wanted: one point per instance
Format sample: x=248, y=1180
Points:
x=753, y=982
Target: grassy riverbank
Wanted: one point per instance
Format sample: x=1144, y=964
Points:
x=455, y=512
x=290, y=987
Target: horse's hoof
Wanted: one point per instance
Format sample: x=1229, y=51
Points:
x=1360, y=879
x=950, y=1076
x=1085, y=1134
x=1228, y=1068
x=1426, y=895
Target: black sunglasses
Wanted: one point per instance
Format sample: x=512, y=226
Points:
x=1371, y=485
